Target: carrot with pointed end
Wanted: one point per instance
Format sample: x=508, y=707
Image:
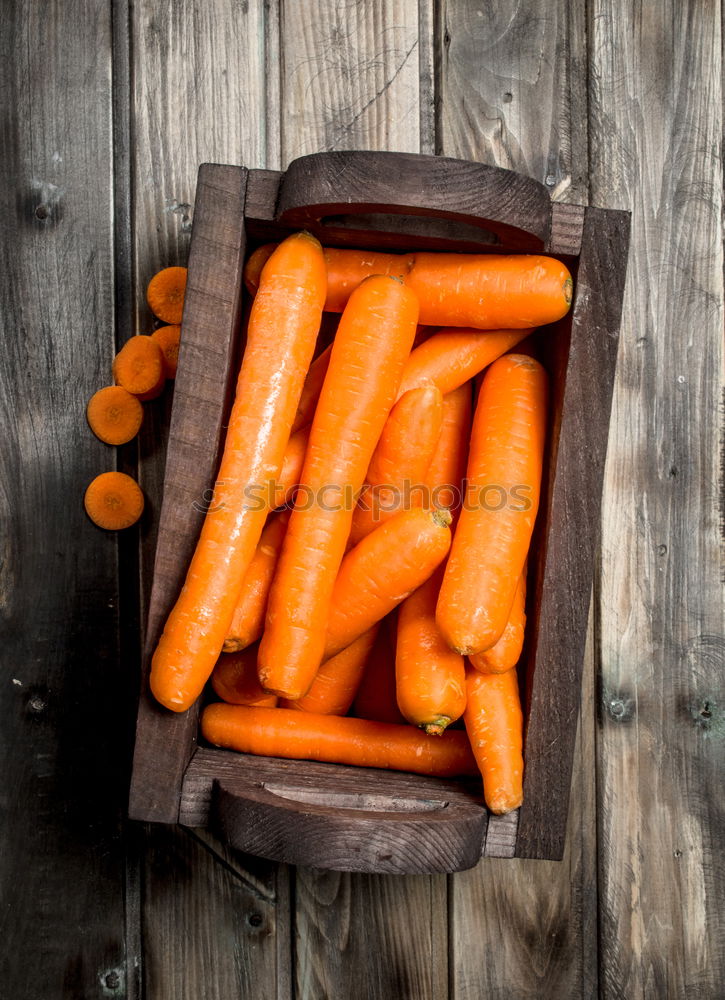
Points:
x=453, y=356
x=114, y=501
x=447, y=467
x=312, y=389
x=248, y=618
x=114, y=414
x=505, y=654
x=283, y=326
x=255, y=264
x=384, y=569
x=139, y=365
x=168, y=338
x=494, y=724
x=165, y=294
x=492, y=538
x=430, y=677
x=336, y=682
x=372, y=343
x=375, y=698
x=235, y=681
x=400, y=460
x=284, y=732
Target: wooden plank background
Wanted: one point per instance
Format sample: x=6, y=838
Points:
x=110, y=107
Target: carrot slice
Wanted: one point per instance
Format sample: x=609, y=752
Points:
x=337, y=680
x=284, y=732
x=503, y=485
x=114, y=501
x=165, y=294
x=368, y=354
x=139, y=365
x=505, y=654
x=235, y=681
x=494, y=724
x=168, y=339
x=283, y=326
x=114, y=414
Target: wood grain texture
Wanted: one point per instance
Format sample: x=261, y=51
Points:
x=656, y=116
x=62, y=858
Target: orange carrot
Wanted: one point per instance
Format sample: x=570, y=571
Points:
x=447, y=467
x=248, y=618
x=139, y=365
x=283, y=326
x=168, y=337
x=283, y=732
x=114, y=414
x=114, y=501
x=337, y=680
x=235, y=680
x=367, y=359
x=289, y=475
x=505, y=654
x=384, y=569
x=375, y=698
x=155, y=391
x=487, y=291
x=311, y=389
x=453, y=356
x=494, y=724
x=401, y=458
x=430, y=677
x=502, y=497
x=254, y=265
x=165, y=294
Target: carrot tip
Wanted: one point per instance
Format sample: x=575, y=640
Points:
x=568, y=291
x=437, y=727
x=442, y=516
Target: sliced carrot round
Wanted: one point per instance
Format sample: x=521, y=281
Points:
x=139, y=365
x=114, y=414
x=165, y=294
x=167, y=337
x=114, y=501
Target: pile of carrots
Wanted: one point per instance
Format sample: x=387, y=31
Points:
x=141, y=368
x=359, y=583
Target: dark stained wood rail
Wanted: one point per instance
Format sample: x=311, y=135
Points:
x=110, y=108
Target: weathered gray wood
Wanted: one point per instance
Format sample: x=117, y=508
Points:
x=656, y=128
x=63, y=759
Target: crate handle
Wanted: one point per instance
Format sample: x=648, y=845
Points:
x=347, y=830
x=328, y=190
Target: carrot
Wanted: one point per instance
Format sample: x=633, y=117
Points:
x=430, y=677
x=283, y=326
x=155, y=391
x=254, y=265
x=368, y=354
x=114, y=414
x=114, y=501
x=384, y=569
x=494, y=724
x=139, y=365
x=235, y=680
x=487, y=291
x=375, y=698
x=401, y=458
x=289, y=475
x=453, y=356
x=448, y=465
x=503, y=484
x=337, y=680
x=283, y=732
x=311, y=389
x=168, y=337
x=506, y=652
x=248, y=618
x=165, y=294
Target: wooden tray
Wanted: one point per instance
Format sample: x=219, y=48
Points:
x=352, y=818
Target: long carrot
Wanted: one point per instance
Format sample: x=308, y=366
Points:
x=336, y=682
x=367, y=359
x=447, y=467
x=429, y=675
x=248, y=618
x=487, y=291
x=453, y=356
x=375, y=698
x=505, y=654
x=283, y=732
x=494, y=724
x=400, y=461
x=502, y=497
x=235, y=680
x=384, y=569
x=283, y=326
x=292, y=463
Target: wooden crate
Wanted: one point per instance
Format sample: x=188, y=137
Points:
x=357, y=819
